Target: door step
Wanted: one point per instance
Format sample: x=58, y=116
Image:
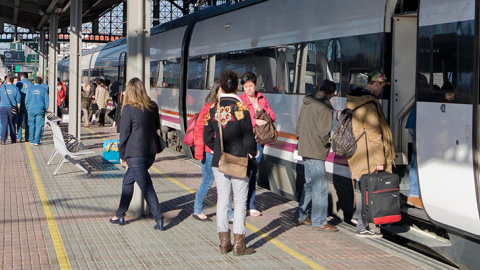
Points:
x=415, y=213
x=413, y=234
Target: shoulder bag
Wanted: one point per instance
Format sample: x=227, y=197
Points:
x=161, y=143
x=266, y=133
x=228, y=163
x=14, y=109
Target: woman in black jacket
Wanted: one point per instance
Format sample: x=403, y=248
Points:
x=138, y=145
x=238, y=140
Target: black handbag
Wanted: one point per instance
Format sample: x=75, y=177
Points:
x=94, y=107
x=14, y=109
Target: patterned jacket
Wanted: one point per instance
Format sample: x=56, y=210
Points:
x=238, y=137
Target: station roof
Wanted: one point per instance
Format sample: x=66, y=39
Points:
x=35, y=14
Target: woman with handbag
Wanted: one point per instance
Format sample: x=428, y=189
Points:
x=256, y=103
x=139, y=142
x=10, y=100
x=228, y=131
x=87, y=95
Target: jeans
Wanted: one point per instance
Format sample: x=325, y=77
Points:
x=138, y=172
x=207, y=180
x=413, y=177
x=315, y=190
x=225, y=183
x=252, y=183
x=36, y=120
x=358, y=212
x=8, y=123
x=22, y=115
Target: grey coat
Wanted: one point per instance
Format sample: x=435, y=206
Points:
x=314, y=126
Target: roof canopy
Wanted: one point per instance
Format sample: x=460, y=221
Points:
x=35, y=14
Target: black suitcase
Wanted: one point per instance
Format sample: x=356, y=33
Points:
x=380, y=197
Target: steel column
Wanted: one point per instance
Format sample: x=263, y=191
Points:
x=52, y=62
x=138, y=65
x=74, y=83
x=42, y=56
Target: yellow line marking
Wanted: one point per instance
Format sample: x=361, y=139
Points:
x=252, y=228
x=62, y=257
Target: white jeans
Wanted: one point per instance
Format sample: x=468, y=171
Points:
x=225, y=183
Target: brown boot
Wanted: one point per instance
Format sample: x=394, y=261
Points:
x=225, y=242
x=239, y=247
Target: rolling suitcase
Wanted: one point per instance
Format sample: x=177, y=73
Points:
x=110, y=150
x=380, y=198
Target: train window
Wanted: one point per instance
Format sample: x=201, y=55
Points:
x=264, y=66
x=358, y=78
x=235, y=61
x=443, y=72
x=197, y=68
x=334, y=62
x=302, y=67
x=170, y=73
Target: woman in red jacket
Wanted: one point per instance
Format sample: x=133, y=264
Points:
x=255, y=101
x=205, y=154
x=61, y=96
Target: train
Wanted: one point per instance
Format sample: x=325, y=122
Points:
x=292, y=45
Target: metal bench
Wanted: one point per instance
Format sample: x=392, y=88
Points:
x=67, y=146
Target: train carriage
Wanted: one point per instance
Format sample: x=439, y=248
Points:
x=292, y=45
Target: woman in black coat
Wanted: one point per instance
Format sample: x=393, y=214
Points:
x=139, y=143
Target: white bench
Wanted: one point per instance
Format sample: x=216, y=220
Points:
x=67, y=146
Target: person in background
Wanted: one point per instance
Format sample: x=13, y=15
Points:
x=138, y=145
x=87, y=96
x=43, y=83
x=313, y=133
x=236, y=125
x=205, y=154
x=22, y=118
x=36, y=102
x=101, y=98
x=9, y=94
x=375, y=150
x=61, y=95
x=255, y=102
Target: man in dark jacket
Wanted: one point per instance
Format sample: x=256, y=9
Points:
x=313, y=133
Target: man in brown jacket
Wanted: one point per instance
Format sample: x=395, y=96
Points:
x=313, y=133
x=375, y=150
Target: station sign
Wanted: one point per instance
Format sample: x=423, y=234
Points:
x=14, y=56
x=30, y=58
x=24, y=68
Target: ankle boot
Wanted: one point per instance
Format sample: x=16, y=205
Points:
x=239, y=247
x=225, y=242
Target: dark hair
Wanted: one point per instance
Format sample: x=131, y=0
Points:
x=212, y=96
x=24, y=75
x=249, y=77
x=228, y=81
x=9, y=78
x=107, y=82
x=38, y=80
x=328, y=87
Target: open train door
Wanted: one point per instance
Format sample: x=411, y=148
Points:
x=445, y=124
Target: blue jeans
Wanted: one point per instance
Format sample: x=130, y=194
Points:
x=358, y=212
x=8, y=123
x=413, y=177
x=138, y=172
x=252, y=183
x=315, y=190
x=22, y=114
x=36, y=120
x=207, y=180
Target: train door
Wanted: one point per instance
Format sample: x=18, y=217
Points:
x=122, y=69
x=404, y=41
x=444, y=114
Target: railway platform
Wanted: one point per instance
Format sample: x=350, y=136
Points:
x=61, y=221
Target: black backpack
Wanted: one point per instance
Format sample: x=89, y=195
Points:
x=343, y=141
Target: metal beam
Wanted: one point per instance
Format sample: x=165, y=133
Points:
x=15, y=12
x=75, y=68
x=86, y=10
x=24, y=6
x=47, y=14
x=21, y=24
x=52, y=62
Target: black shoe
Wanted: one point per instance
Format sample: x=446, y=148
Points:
x=159, y=225
x=120, y=221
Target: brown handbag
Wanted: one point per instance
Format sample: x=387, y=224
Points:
x=266, y=133
x=228, y=163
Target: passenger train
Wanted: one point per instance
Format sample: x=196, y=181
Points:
x=292, y=45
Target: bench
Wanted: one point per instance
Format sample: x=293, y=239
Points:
x=67, y=146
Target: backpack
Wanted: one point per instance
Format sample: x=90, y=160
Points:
x=190, y=132
x=343, y=141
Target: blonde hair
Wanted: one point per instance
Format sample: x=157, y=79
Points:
x=136, y=95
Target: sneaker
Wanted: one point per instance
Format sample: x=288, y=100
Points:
x=31, y=143
x=367, y=232
x=36, y=144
